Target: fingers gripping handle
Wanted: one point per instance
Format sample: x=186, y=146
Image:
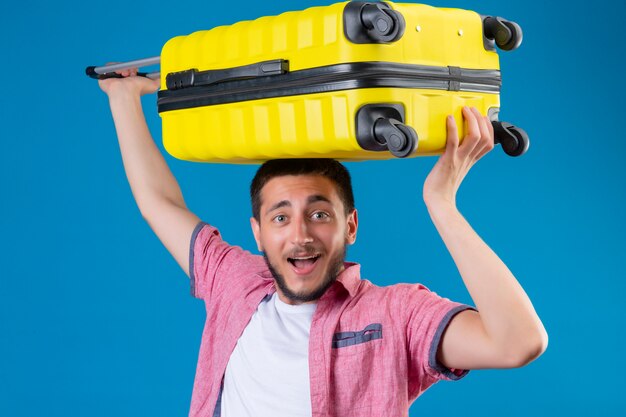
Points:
x=109, y=71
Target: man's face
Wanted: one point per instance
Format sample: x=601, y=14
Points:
x=303, y=231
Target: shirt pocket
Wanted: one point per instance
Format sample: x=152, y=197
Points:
x=345, y=340
x=354, y=376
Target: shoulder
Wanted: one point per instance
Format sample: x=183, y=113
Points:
x=207, y=241
x=217, y=266
x=400, y=291
x=396, y=299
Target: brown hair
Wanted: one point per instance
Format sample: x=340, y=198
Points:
x=328, y=168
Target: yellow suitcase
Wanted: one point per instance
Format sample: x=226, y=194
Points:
x=352, y=81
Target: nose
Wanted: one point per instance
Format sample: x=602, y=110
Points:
x=301, y=234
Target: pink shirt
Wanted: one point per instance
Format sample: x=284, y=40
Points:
x=372, y=350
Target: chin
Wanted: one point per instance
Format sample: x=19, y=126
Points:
x=306, y=293
x=303, y=286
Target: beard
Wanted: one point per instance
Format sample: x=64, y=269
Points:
x=334, y=268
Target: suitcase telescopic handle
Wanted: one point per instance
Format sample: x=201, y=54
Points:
x=108, y=71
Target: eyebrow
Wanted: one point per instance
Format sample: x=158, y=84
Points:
x=310, y=200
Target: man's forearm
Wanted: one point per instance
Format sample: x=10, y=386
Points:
x=505, y=310
x=150, y=178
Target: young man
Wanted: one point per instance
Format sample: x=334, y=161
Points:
x=297, y=332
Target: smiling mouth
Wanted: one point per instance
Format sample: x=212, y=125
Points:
x=303, y=265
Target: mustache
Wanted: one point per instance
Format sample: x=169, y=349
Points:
x=305, y=250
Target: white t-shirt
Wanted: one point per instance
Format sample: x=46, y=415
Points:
x=268, y=372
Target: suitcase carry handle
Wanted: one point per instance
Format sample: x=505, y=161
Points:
x=193, y=77
x=108, y=71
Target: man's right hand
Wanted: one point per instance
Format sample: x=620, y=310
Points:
x=131, y=84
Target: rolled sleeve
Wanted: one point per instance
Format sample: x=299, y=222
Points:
x=211, y=260
x=428, y=317
x=435, y=368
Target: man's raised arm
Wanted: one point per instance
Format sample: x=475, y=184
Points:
x=155, y=189
x=506, y=331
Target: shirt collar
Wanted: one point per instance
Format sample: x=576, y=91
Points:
x=350, y=277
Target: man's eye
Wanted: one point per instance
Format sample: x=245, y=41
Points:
x=280, y=218
x=320, y=215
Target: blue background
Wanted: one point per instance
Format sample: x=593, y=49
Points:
x=96, y=318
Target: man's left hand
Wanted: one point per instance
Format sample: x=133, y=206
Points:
x=444, y=179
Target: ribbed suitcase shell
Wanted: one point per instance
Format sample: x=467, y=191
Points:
x=323, y=124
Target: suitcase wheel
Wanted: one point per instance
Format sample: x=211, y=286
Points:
x=507, y=35
x=366, y=22
x=380, y=127
x=401, y=140
x=513, y=139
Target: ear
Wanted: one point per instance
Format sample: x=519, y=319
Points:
x=352, y=226
x=256, y=230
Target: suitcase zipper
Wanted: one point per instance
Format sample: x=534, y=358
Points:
x=332, y=78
